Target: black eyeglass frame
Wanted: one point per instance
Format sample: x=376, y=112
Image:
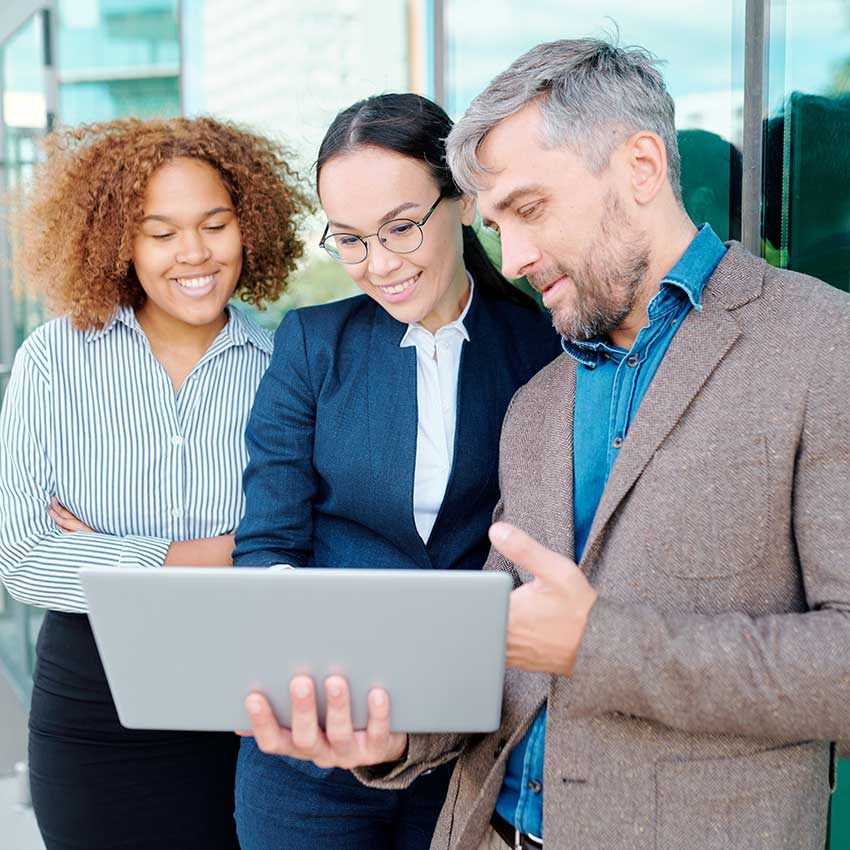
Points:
x=418, y=224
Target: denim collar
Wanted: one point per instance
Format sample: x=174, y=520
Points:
x=684, y=282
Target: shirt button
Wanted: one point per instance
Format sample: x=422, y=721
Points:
x=632, y=361
x=177, y=512
x=176, y=440
x=535, y=787
x=618, y=442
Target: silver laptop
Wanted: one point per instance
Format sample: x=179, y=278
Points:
x=183, y=646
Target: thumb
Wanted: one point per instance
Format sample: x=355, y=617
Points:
x=527, y=553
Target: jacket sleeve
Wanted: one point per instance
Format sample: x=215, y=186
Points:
x=39, y=563
x=783, y=676
x=280, y=481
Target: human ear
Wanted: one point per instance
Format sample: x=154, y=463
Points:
x=647, y=164
x=467, y=209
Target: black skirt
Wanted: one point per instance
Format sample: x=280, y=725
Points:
x=99, y=786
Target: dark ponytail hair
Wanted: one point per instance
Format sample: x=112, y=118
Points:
x=414, y=126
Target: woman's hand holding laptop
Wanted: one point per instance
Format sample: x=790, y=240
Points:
x=339, y=745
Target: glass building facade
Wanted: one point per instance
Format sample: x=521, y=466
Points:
x=762, y=93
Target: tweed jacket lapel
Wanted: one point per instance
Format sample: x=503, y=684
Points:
x=694, y=353
x=549, y=519
x=556, y=527
x=392, y=426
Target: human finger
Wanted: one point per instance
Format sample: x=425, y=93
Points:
x=64, y=518
x=306, y=734
x=382, y=744
x=339, y=727
x=526, y=552
x=270, y=736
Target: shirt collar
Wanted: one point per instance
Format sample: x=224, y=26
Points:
x=686, y=280
x=239, y=330
x=693, y=269
x=123, y=315
x=415, y=329
x=242, y=329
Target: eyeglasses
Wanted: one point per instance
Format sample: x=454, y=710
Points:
x=399, y=235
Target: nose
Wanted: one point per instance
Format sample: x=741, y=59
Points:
x=192, y=249
x=381, y=260
x=519, y=254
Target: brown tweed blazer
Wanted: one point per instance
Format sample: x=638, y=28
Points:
x=715, y=668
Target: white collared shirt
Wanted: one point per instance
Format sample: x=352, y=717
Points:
x=437, y=369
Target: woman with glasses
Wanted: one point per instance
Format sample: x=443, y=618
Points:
x=373, y=439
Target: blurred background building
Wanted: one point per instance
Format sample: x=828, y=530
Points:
x=762, y=90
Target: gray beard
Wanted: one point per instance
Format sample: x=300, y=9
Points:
x=608, y=280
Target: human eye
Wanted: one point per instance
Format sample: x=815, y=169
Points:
x=161, y=236
x=402, y=228
x=214, y=228
x=345, y=240
x=528, y=211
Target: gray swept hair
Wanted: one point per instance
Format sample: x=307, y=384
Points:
x=592, y=94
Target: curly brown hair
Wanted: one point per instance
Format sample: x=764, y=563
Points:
x=84, y=205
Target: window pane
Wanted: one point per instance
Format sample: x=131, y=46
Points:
x=25, y=114
x=286, y=69
x=703, y=51
x=117, y=59
x=806, y=220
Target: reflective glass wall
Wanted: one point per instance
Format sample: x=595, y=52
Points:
x=286, y=69
x=704, y=68
x=26, y=117
x=806, y=213
x=118, y=58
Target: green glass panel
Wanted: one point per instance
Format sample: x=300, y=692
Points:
x=806, y=215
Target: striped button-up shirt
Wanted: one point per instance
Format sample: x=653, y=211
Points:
x=92, y=418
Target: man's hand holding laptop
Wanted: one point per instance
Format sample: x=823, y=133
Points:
x=545, y=626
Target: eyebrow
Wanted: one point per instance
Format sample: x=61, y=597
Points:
x=166, y=220
x=511, y=198
x=384, y=218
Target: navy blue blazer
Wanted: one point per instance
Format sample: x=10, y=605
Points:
x=332, y=438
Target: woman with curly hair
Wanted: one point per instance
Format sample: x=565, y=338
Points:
x=122, y=440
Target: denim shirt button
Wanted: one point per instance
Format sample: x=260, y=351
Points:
x=617, y=443
x=632, y=361
x=535, y=787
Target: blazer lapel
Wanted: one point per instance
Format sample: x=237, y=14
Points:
x=557, y=521
x=392, y=429
x=477, y=421
x=695, y=351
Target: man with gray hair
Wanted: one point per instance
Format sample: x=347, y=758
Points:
x=674, y=508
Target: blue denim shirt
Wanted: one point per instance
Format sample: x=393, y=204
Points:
x=608, y=378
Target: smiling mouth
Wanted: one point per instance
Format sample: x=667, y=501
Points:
x=195, y=282
x=553, y=284
x=401, y=286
